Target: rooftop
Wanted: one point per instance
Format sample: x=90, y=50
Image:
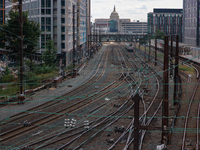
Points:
x=167, y=10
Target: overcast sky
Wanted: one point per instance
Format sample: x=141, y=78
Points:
x=131, y=9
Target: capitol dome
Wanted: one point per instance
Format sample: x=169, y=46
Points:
x=114, y=15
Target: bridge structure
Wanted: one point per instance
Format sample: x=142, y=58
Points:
x=115, y=38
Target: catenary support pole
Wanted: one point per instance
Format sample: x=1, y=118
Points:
x=21, y=97
x=74, y=42
x=156, y=51
x=165, y=93
x=176, y=72
x=171, y=55
x=149, y=48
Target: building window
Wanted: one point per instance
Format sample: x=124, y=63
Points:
x=43, y=28
x=42, y=45
x=62, y=20
x=48, y=11
x=48, y=20
x=62, y=37
x=63, y=45
x=48, y=3
x=42, y=3
x=63, y=28
x=42, y=11
x=63, y=3
x=48, y=37
x=42, y=20
x=42, y=38
x=48, y=28
x=63, y=11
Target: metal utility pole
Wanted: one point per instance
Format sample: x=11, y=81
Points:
x=171, y=55
x=149, y=48
x=74, y=42
x=135, y=42
x=77, y=37
x=156, y=51
x=96, y=40
x=139, y=44
x=145, y=47
x=94, y=37
x=176, y=71
x=21, y=97
x=165, y=93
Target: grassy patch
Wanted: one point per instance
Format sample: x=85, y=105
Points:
x=187, y=69
x=9, y=90
x=160, y=55
x=32, y=82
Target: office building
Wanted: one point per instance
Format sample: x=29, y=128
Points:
x=139, y=28
x=55, y=19
x=169, y=21
x=191, y=22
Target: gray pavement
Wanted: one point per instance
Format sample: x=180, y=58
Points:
x=190, y=57
x=50, y=94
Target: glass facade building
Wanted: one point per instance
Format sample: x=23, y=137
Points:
x=191, y=22
x=169, y=21
x=113, y=26
x=2, y=11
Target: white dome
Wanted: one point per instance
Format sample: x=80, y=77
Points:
x=114, y=15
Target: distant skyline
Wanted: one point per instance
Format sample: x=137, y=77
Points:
x=130, y=9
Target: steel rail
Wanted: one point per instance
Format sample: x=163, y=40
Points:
x=73, y=109
x=187, y=115
x=36, y=120
x=115, y=81
x=131, y=124
x=52, y=102
x=107, y=118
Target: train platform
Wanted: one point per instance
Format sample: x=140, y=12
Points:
x=191, y=58
x=46, y=95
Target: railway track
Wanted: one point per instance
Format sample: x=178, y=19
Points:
x=97, y=75
x=137, y=74
x=104, y=104
x=112, y=86
x=191, y=127
x=81, y=134
x=190, y=138
x=130, y=127
x=7, y=135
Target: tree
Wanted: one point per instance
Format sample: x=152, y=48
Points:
x=144, y=40
x=10, y=39
x=159, y=33
x=49, y=56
